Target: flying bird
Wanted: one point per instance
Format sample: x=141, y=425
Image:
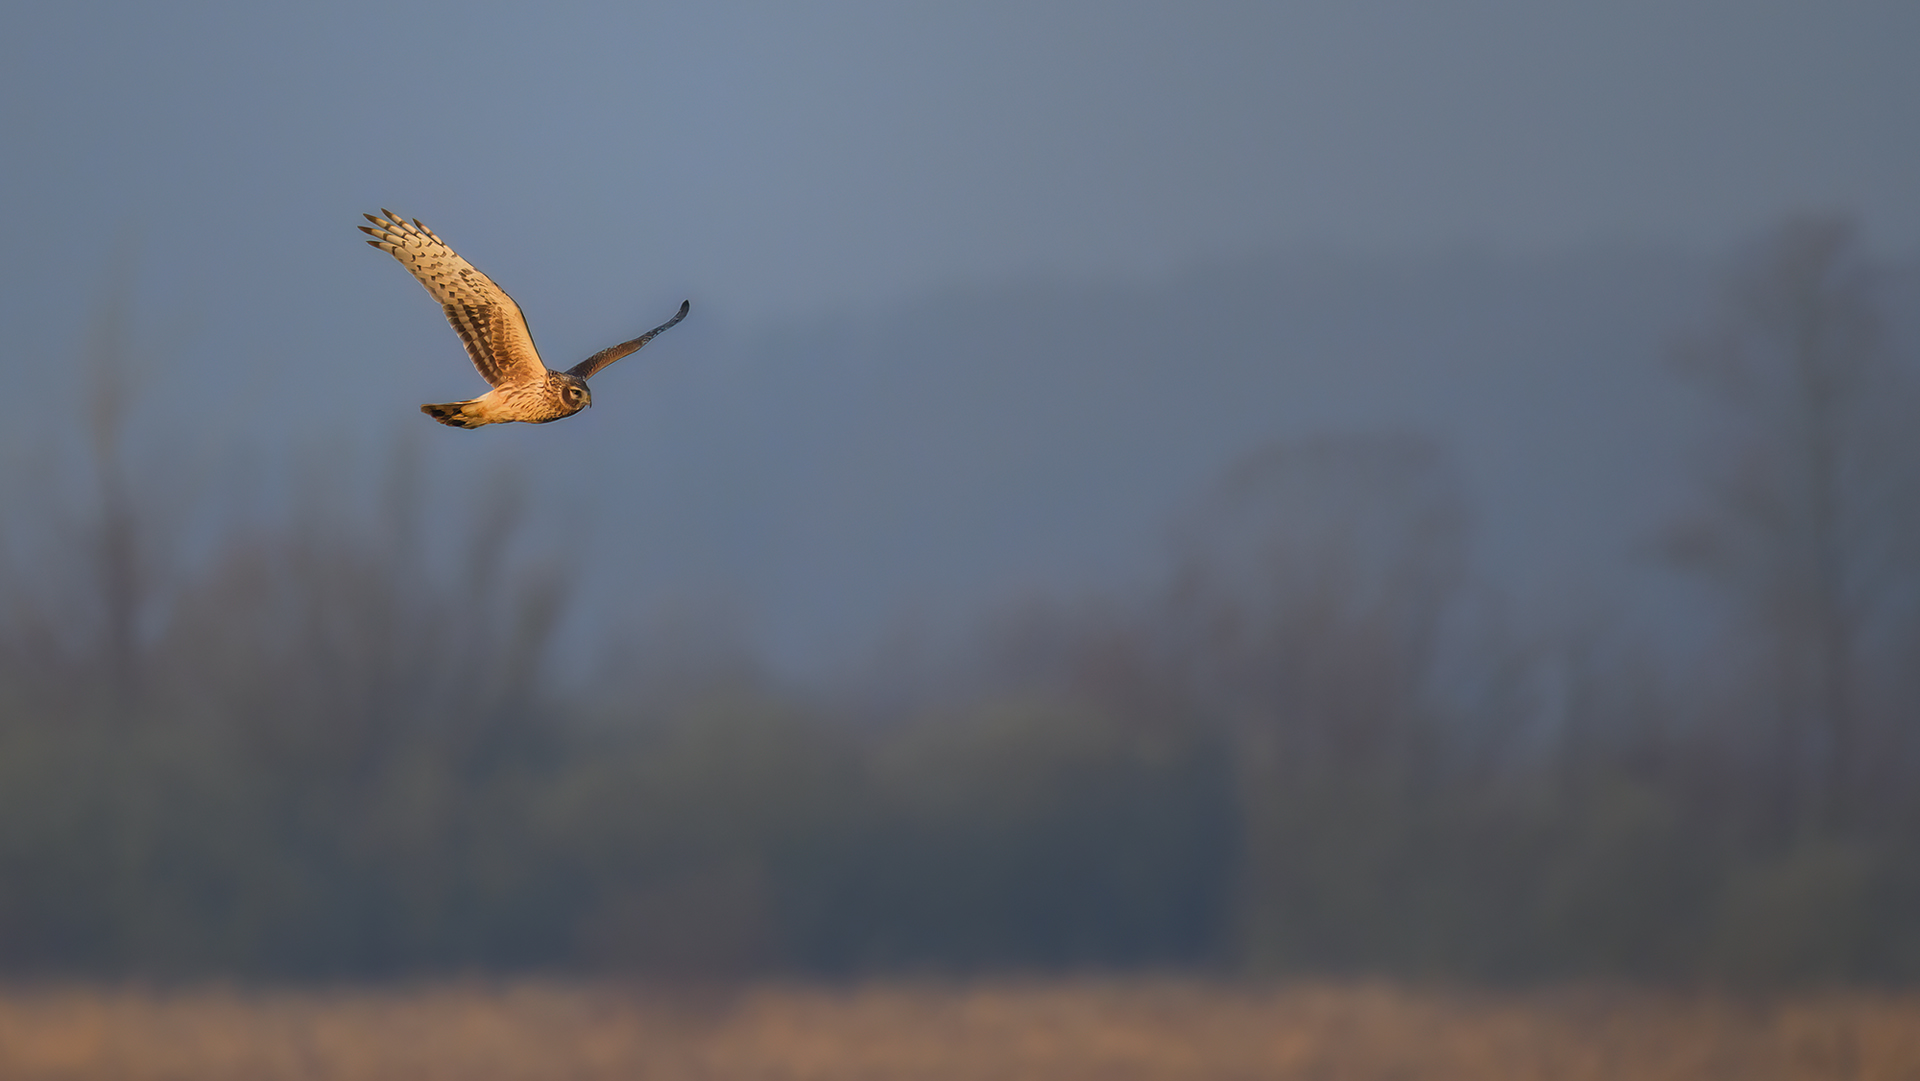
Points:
x=495, y=333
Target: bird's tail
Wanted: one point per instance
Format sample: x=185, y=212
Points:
x=455, y=414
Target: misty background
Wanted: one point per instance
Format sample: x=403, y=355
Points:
x=1271, y=487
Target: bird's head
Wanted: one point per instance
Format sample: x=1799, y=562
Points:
x=573, y=392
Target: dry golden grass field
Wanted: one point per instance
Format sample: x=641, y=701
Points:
x=1057, y=1031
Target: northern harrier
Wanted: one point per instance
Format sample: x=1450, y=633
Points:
x=495, y=333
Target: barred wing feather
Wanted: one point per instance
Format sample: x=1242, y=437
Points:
x=486, y=318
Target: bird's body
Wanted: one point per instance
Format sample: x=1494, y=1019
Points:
x=555, y=396
x=495, y=333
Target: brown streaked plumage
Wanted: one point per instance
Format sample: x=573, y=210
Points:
x=495, y=333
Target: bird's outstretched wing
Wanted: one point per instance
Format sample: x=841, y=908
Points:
x=482, y=313
x=604, y=357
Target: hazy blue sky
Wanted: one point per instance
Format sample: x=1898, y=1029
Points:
x=776, y=162
x=773, y=158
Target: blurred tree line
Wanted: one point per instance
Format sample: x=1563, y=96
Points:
x=327, y=745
